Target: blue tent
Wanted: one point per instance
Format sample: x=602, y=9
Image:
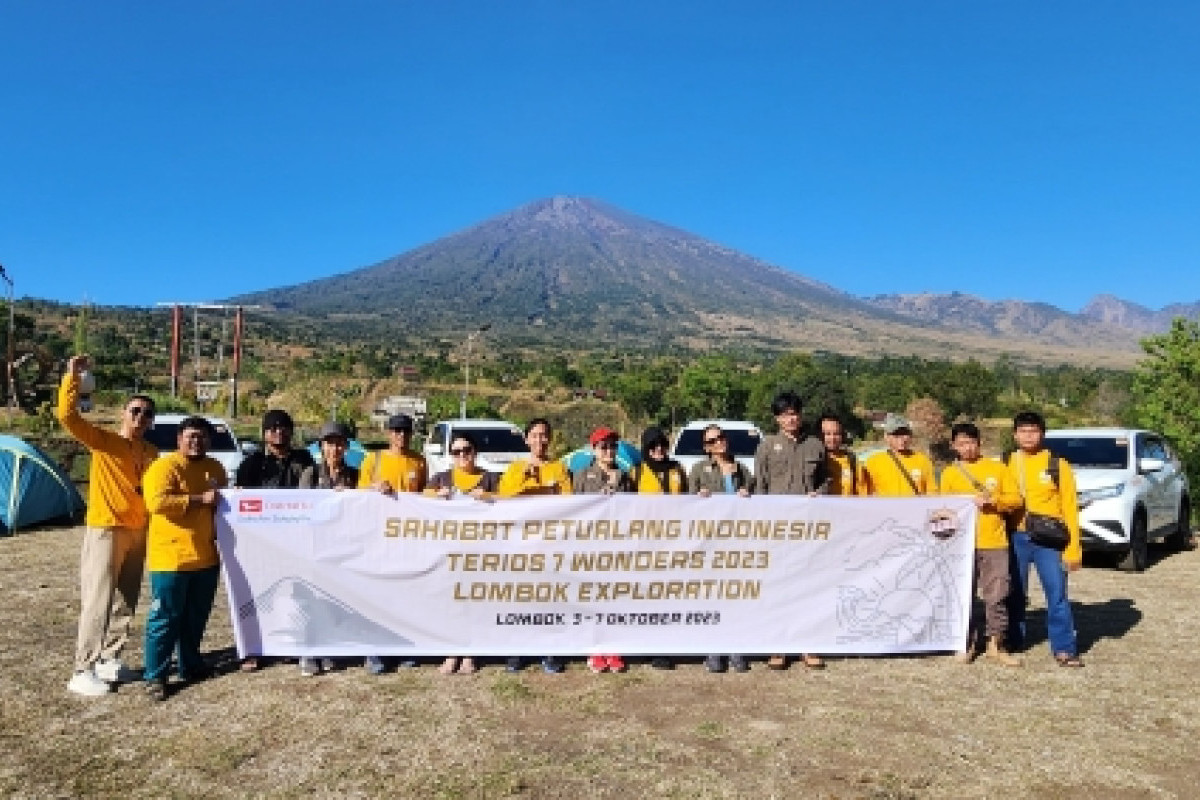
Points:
x=33, y=488
x=355, y=453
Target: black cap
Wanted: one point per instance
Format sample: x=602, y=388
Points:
x=400, y=422
x=334, y=429
x=277, y=417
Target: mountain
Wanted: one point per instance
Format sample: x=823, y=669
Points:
x=569, y=271
x=1123, y=314
x=1105, y=319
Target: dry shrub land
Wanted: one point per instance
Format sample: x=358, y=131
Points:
x=869, y=727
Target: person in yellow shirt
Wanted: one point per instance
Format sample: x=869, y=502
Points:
x=898, y=471
x=536, y=475
x=842, y=465
x=182, y=491
x=114, y=543
x=659, y=473
x=1047, y=485
x=397, y=469
x=996, y=495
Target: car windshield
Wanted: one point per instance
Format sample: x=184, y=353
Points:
x=497, y=440
x=1092, y=452
x=165, y=435
x=742, y=442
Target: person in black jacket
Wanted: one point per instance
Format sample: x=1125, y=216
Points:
x=277, y=466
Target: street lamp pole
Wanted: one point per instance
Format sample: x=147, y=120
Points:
x=462, y=405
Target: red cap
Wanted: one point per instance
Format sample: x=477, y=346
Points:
x=600, y=434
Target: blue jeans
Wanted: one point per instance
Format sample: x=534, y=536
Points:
x=1052, y=574
x=180, y=603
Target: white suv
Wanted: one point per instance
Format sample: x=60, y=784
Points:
x=224, y=447
x=497, y=444
x=743, y=438
x=1132, y=490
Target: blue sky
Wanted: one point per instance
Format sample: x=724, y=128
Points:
x=156, y=151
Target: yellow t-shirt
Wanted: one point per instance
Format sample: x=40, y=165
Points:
x=884, y=479
x=844, y=480
x=182, y=537
x=1033, y=479
x=118, y=465
x=405, y=472
x=990, y=528
x=549, y=478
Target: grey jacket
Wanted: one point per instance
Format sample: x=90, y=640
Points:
x=591, y=480
x=783, y=465
x=707, y=474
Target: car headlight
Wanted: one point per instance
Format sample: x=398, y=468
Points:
x=1101, y=493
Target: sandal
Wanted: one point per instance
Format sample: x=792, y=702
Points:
x=812, y=662
x=467, y=667
x=1064, y=660
x=448, y=666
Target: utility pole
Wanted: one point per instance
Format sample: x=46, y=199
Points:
x=10, y=359
x=462, y=406
x=176, y=343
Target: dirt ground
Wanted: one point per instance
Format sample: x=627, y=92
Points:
x=1123, y=727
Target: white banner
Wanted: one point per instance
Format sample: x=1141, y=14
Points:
x=355, y=573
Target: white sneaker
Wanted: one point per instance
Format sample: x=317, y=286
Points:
x=309, y=667
x=114, y=671
x=87, y=684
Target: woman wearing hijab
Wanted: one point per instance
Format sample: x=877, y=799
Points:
x=659, y=474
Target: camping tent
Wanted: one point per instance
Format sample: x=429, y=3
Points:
x=628, y=457
x=33, y=488
x=355, y=453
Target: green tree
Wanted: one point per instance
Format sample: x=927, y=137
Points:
x=1166, y=388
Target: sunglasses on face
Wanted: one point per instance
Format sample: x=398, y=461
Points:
x=606, y=446
x=462, y=451
x=141, y=411
x=277, y=427
x=720, y=437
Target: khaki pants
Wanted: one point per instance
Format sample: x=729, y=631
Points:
x=110, y=577
x=992, y=582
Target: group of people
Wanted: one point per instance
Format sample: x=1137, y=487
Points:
x=158, y=514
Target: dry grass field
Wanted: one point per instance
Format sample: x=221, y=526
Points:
x=1123, y=727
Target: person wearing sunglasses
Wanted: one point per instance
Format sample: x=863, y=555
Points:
x=603, y=476
x=465, y=477
x=536, y=475
x=114, y=542
x=468, y=479
x=720, y=473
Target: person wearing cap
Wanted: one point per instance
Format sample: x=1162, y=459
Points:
x=182, y=492
x=114, y=542
x=536, y=475
x=789, y=462
x=603, y=476
x=277, y=465
x=396, y=469
x=399, y=468
x=845, y=471
x=330, y=472
x=898, y=471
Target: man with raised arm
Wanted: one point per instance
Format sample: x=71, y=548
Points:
x=114, y=543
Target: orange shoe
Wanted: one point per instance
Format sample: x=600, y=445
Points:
x=616, y=664
x=597, y=664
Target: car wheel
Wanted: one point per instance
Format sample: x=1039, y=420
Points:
x=1181, y=537
x=1139, y=547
